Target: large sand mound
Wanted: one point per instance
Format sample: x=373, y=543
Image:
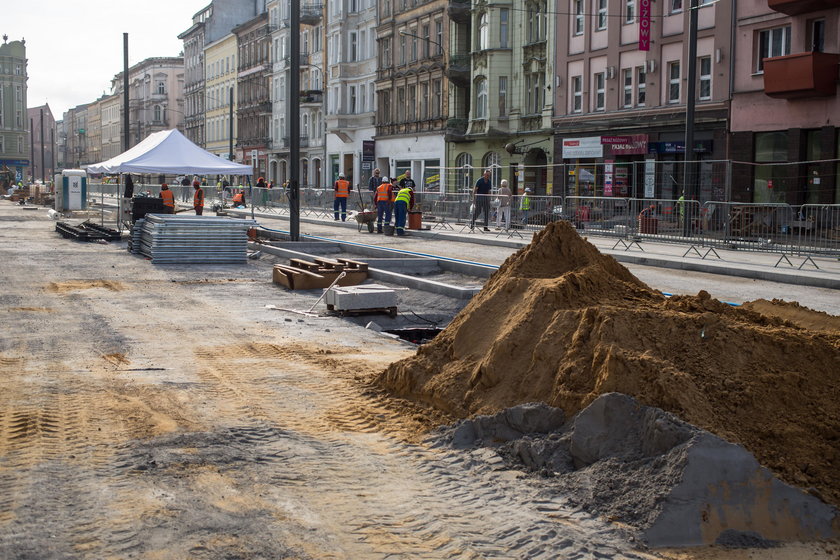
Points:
x=561, y=323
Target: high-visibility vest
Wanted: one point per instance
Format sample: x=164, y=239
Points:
x=382, y=192
x=198, y=197
x=525, y=203
x=342, y=188
x=404, y=195
x=168, y=198
x=239, y=197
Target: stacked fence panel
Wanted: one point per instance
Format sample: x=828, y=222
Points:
x=168, y=239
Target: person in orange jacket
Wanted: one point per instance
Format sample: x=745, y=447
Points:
x=383, y=196
x=168, y=198
x=342, y=189
x=198, y=198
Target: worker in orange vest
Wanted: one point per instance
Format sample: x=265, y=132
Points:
x=384, y=202
x=168, y=198
x=239, y=199
x=342, y=189
x=198, y=198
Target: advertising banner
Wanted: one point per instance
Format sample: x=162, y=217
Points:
x=576, y=148
x=644, y=25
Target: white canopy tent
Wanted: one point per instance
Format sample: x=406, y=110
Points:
x=169, y=152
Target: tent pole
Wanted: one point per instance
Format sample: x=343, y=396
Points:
x=251, y=194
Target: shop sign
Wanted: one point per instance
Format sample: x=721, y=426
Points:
x=678, y=147
x=650, y=178
x=368, y=150
x=635, y=144
x=608, y=177
x=575, y=148
x=644, y=25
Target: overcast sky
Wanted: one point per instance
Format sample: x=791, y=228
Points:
x=75, y=47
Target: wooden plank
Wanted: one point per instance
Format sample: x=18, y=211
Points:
x=329, y=263
x=354, y=265
x=306, y=265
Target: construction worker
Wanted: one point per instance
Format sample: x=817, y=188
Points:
x=525, y=206
x=198, y=198
x=402, y=204
x=382, y=197
x=239, y=199
x=342, y=189
x=168, y=198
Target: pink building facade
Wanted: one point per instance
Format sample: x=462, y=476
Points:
x=785, y=106
x=621, y=107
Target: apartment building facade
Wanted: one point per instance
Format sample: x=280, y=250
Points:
x=14, y=125
x=155, y=96
x=220, y=96
x=75, y=137
x=500, y=70
x=620, y=102
x=785, y=106
x=351, y=97
x=43, y=141
x=110, y=108
x=412, y=90
x=253, y=93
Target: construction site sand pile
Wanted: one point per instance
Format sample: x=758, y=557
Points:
x=562, y=324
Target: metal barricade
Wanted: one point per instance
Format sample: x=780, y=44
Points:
x=817, y=229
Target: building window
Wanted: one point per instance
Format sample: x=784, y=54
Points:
x=402, y=49
x=674, y=82
x=536, y=30
x=18, y=70
x=413, y=31
x=464, y=163
x=427, y=40
x=362, y=99
x=502, y=96
x=483, y=32
x=676, y=6
x=578, y=17
x=437, y=86
x=493, y=162
x=424, y=101
x=577, y=94
x=412, y=103
x=354, y=46
x=816, y=35
x=386, y=53
x=629, y=11
x=439, y=35
x=504, y=15
x=600, y=90
x=533, y=93
x=385, y=107
x=705, y=93
x=602, y=15
x=772, y=42
x=627, y=80
x=641, y=76
x=401, y=104
x=481, y=98
x=158, y=114
x=352, y=109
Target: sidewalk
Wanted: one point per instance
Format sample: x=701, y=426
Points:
x=494, y=247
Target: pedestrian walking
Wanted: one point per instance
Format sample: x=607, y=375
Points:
x=382, y=197
x=403, y=202
x=503, y=212
x=375, y=180
x=168, y=198
x=342, y=189
x=198, y=198
x=481, y=199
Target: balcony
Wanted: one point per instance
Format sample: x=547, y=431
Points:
x=801, y=75
x=796, y=7
x=456, y=129
x=311, y=97
x=459, y=11
x=458, y=70
x=310, y=14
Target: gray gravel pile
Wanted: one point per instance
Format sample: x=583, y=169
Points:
x=675, y=484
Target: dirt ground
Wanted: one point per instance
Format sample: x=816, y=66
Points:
x=163, y=412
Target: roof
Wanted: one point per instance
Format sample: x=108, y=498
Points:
x=172, y=153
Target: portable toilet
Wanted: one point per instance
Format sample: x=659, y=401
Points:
x=71, y=190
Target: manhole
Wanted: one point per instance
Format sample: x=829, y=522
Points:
x=416, y=335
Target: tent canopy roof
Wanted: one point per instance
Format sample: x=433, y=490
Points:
x=170, y=152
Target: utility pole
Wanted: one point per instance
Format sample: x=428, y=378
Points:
x=230, y=124
x=126, y=131
x=52, y=153
x=294, y=123
x=43, y=169
x=690, y=176
x=32, y=148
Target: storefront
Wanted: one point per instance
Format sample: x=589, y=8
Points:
x=604, y=165
x=13, y=170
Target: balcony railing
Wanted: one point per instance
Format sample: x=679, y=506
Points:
x=801, y=75
x=310, y=14
x=458, y=70
x=796, y=7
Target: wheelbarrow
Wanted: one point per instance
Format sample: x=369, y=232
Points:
x=366, y=217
